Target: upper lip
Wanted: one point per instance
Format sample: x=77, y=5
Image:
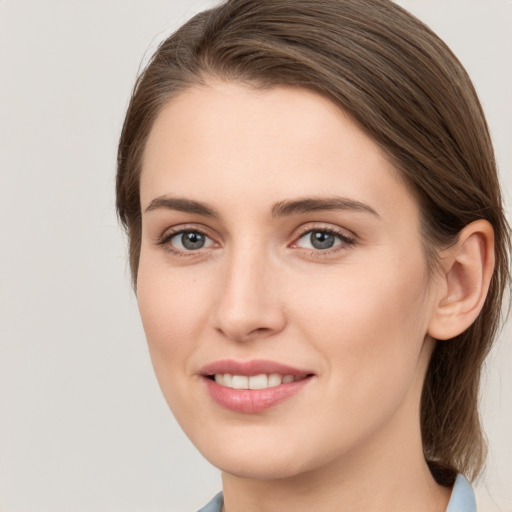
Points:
x=250, y=368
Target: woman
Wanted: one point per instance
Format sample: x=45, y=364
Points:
x=319, y=251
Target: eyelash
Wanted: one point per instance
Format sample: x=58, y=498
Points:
x=165, y=241
x=346, y=241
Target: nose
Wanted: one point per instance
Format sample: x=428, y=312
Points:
x=249, y=306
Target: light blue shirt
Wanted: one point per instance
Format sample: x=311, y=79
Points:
x=461, y=500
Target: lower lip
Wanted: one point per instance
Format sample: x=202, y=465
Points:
x=253, y=400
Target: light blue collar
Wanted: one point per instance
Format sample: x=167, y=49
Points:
x=462, y=499
x=215, y=505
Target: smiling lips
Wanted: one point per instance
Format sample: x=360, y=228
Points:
x=252, y=386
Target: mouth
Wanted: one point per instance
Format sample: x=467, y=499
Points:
x=253, y=386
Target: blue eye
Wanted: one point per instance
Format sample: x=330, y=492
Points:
x=190, y=241
x=322, y=239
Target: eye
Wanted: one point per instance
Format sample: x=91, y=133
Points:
x=187, y=241
x=322, y=239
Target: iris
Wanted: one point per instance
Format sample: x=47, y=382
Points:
x=322, y=240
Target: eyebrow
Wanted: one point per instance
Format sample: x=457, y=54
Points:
x=315, y=204
x=182, y=205
x=280, y=209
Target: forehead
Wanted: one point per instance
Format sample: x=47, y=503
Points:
x=239, y=117
x=230, y=140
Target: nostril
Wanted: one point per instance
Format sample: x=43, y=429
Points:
x=260, y=330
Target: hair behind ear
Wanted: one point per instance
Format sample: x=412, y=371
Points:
x=450, y=420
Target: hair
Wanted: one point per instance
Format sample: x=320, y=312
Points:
x=406, y=89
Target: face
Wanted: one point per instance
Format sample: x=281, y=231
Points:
x=282, y=283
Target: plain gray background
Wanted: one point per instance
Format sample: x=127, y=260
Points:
x=83, y=426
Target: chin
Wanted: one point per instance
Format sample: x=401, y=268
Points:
x=272, y=460
x=257, y=469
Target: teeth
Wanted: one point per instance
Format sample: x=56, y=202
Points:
x=258, y=382
x=274, y=379
x=240, y=382
x=261, y=381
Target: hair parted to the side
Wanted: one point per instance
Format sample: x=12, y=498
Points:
x=407, y=90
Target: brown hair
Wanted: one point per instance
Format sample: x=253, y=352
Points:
x=408, y=91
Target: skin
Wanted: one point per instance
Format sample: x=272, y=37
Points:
x=356, y=316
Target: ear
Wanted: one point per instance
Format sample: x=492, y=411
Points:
x=467, y=268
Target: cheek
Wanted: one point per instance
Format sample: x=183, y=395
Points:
x=173, y=306
x=370, y=326
x=173, y=309
x=386, y=298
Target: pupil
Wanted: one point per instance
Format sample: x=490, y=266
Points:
x=321, y=240
x=192, y=240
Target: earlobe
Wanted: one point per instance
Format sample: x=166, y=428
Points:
x=467, y=268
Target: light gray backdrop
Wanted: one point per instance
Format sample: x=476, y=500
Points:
x=83, y=426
